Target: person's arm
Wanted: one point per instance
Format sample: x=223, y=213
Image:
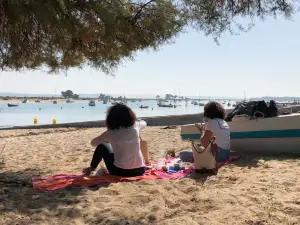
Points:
x=206, y=137
x=103, y=138
x=208, y=133
x=141, y=124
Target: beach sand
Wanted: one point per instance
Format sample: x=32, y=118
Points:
x=253, y=190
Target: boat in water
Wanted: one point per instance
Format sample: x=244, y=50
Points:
x=92, y=103
x=70, y=101
x=166, y=105
x=195, y=103
x=272, y=135
x=104, y=102
x=201, y=104
x=144, y=107
x=54, y=102
x=228, y=104
x=37, y=101
x=12, y=105
x=25, y=101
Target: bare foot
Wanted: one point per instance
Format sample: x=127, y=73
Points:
x=87, y=171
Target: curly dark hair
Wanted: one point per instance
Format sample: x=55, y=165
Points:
x=214, y=110
x=119, y=116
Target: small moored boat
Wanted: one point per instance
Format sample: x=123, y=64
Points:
x=12, y=105
x=25, y=101
x=69, y=101
x=144, y=107
x=166, y=106
x=54, y=102
x=92, y=103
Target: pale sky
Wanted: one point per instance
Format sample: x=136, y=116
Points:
x=263, y=61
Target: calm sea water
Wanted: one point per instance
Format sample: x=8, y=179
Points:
x=79, y=111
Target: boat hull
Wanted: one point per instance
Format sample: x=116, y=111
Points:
x=270, y=135
x=12, y=105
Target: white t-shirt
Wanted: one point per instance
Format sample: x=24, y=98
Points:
x=125, y=143
x=221, y=130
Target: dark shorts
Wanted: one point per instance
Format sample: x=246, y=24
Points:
x=222, y=155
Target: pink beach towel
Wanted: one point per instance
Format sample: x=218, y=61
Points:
x=66, y=180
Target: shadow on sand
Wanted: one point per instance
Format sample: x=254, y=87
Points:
x=17, y=195
x=247, y=160
x=253, y=160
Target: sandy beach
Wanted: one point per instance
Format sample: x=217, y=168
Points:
x=254, y=190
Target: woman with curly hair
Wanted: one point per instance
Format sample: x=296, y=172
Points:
x=217, y=126
x=119, y=145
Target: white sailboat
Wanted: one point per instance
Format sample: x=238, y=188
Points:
x=55, y=102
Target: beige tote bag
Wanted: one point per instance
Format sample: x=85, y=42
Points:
x=204, y=157
x=144, y=150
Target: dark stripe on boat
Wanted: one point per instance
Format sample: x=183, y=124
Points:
x=292, y=133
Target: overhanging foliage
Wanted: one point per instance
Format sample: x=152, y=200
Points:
x=61, y=34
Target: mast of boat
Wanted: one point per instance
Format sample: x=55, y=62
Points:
x=174, y=99
x=244, y=95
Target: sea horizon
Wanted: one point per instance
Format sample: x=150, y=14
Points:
x=146, y=96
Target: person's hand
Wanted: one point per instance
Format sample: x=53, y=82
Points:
x=200, y=127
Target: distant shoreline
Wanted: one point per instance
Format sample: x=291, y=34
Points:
x=60, y=99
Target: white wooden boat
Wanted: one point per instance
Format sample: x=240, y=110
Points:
x=69, y=100
x=266, y=135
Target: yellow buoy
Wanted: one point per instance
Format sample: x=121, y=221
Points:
x=54, y=121
x=35, y=120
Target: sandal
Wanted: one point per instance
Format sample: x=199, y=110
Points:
x=87, y=171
